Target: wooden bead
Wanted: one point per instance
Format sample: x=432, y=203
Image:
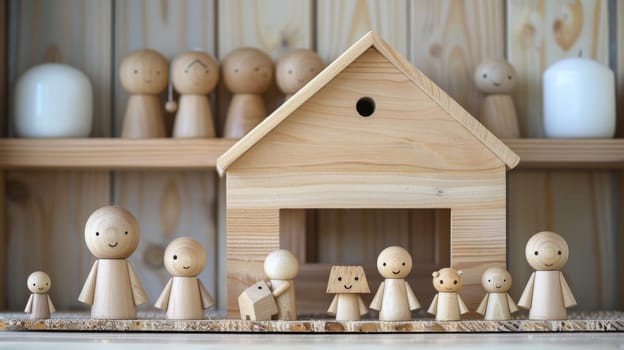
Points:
x=39, y=304
x=347, y=282
x=297, y=68
x=447, y=304
x=497, y=304
x=257, y=303
x=282, y=267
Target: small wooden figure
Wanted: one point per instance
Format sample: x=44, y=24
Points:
x=447, y=305
x=347, y=283
x=39, y=304
x=497, y=303
x=112, y=287
x=295, y=69
x=394, y=299
x=281, y=267
x=257, y=303
x=247, y=73
x=185, y=297
x=144, y=74
x=498, y=113
x=547, y=294
x=194, y=75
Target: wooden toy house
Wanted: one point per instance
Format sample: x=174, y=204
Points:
x=370, y=131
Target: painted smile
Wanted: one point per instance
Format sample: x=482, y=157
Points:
x=40, y=288
x=113, y=245
x=186, y=267
x=549, y=265
x=498, y=286
x=396, y=273
x=496, y=84
x=349, y=287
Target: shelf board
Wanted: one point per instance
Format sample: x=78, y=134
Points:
x=568, y=153
x=111, y=153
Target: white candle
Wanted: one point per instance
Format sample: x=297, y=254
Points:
x=579, y=99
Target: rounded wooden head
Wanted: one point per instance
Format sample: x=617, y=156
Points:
x=281, y=264
x=297, y=68
x=144, y=72
x=496, y=280
x=495, y=77
x=394, y=262
x=39, y=282
x=112, y=233
x=546, y=251
x=247, y=71
x=448, y=280
x=194, y=72
x=185, y=257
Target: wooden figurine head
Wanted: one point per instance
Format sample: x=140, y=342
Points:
x=297, y=68
x=144, y=72
x=495, y=77
x=546, y=251
x=247, y=71
x=347, y=279
x=112, y=233
x=281, y=264
x=448, y=280
x=39, y=282
x=394, y=262
x=185, y=257
x=496, y=280
x=194, y=72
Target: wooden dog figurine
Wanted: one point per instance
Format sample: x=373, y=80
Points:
x=347, y=283
x=497, y=303
x=39, y=304
x=447, y=305
x=257, y=303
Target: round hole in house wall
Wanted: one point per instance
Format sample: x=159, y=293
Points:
x=365, y=106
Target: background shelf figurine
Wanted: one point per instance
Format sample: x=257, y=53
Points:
x=39, y=304
x=347, y=283
x=295, y=69
x=185, y=296
x=112, y=287
x=547, y=294
x=497, y=303
x=447, y=304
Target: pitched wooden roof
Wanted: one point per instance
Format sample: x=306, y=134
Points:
x=369, y=40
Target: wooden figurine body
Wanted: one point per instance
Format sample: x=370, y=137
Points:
x=347, y=283
x=184, y=297
x=257, y=303
x=498, y=113
x=295, y=69
x=195, y=75
x=547, y=294
x=394, y=299
x=281, y=267
x=112, y=287
x=144, y=74
x=247, y=73
x=447, y=304
x=497, y=304
x=39, y=304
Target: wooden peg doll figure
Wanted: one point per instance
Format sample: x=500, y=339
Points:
x=281, y=267
x=144, y=74
x=497, y=303
x=547, y=294
x=347, y=283
x=394, y=299
x=447, y=305
x=112, y=287
x=185, y=297
x=295, y=69
x=496, y=78
x=247, y=73
x=39, y=304
x=194, y=75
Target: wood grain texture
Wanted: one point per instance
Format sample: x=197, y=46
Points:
x=450, y=38
x=620, y=131
x=568, y=153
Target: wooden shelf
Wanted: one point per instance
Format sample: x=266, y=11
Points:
x=568, y=153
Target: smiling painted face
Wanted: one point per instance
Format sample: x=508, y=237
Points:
x=194, y=72
x=347, y=279
x=185, y=257
x=296, y=69
x=39, y=282
x=496, y=280
x=495, y=77
x=394, y=262
x=112, y=233
x=546, y=251
x=448, y=280
x=144, y=72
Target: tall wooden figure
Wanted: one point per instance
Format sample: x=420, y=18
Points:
x=497, y=78
x=447, y=305
x=347, y=283
x=112, y=287
x=144, y=74
x=547, y=294
x=185, y=297
x=281, y=267
x=39, y=304
x=295, y=69
x=497, y=303
x=394, y=299
x=247, y=73
x=194, y=75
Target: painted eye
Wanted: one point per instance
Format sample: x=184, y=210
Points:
x=97, y=233
x=455, y=282
x=290, y=71
x=536, y=253
x=489, y=281
x=504, y=280
x=559, y=252
x=484, y=76
x=126, y=233
x=235, y=70
x=186, y=71
x=34, y=284
x=175, y=257
x=357, y=278
x=259, y=287
x=157, y=72
x=403, y=264
x=256, y=69
x=441, y=281
x=311, y=69
x=384, y=264
x=339, y=278
x=136, y=71
x=47, y=283
x=509, y=77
